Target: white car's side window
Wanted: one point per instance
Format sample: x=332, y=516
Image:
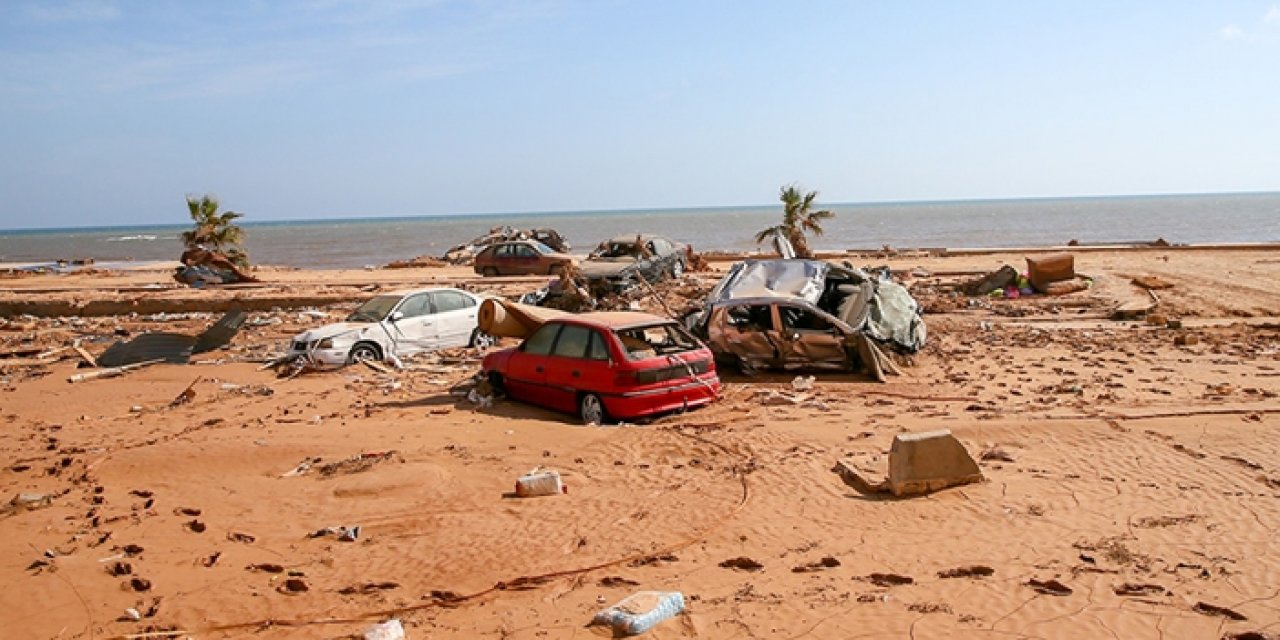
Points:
x=449, y=301
x=418, y=305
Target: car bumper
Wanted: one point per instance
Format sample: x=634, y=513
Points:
x=663, y=400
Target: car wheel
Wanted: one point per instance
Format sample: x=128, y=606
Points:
x=496, y=384
x=591, y=409
x=489, y=271
x=364, y=351
x=480, y=339
x=677, y=269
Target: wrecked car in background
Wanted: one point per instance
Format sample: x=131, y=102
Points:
x=605, y=366
x=792, y=313
x=395, y=324
x=618, y=262
x=520, y=257
x=464, y=253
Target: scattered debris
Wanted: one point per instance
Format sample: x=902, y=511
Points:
x=968, y=571
x=641, y=611
x=355, y=464
x=293, y=586
x=918, y=463
x=368, y=587
x=389, y=630
x=341, y=533
x=889, y=579
x=742, y=563
x=1140, y=589
x=1204, y=608
x=112, y=372
x=1049, y=587
x=827, y=562
x=236, y=536
x=540, y=482
x=175, y=348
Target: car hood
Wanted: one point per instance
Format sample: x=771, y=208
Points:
x=356, y=329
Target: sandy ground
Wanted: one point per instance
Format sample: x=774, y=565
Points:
x=1141, y=475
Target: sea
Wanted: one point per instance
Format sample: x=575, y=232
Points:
x=357, y=242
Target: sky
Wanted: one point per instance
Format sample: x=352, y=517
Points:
x=111, y=111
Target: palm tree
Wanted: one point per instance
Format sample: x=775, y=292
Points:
x=798, y=219
x=215, y=231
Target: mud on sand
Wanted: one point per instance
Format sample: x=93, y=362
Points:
x=1132, y=490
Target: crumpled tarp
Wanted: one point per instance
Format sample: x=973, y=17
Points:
x=894, y=316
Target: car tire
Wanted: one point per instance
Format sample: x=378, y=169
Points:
x=496, y=384
x=480, y=339
x=364, y=351
x=591, y=410
x=489, y=271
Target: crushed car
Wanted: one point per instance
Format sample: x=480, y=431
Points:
x=618, y=262
x=393, y=325
x=796, y=313
x=605, y=366
x=615, y=267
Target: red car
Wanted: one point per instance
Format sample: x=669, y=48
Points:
x=617, y=364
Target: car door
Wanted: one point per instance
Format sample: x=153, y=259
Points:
x=526, y=374
x=413, y=328
x=566, y=367
x=746, y=333
x=455, y=317
x=527, y=259
x=809, y=338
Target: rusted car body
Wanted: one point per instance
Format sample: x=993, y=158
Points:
x=789, y=314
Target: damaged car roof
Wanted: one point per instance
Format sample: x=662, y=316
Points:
x=772, y=279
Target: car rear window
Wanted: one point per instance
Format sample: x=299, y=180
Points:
x=655, y=340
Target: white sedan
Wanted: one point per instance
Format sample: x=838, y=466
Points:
x=396, y=324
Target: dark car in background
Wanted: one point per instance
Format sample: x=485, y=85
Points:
x=521, y=257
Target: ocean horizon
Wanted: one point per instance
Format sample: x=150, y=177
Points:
x=351, y=242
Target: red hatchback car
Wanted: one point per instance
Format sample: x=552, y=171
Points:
x=617, y=364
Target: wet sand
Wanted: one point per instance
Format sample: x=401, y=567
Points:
x=1142, y=475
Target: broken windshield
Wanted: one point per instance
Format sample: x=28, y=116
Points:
x=374, y=310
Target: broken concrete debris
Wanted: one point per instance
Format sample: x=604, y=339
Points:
x=919, y=463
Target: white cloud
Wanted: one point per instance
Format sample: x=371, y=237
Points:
x=1231, y=32
x=1273, y=16
x=74, y=11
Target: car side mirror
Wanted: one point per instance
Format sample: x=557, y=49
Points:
x=397, y=316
